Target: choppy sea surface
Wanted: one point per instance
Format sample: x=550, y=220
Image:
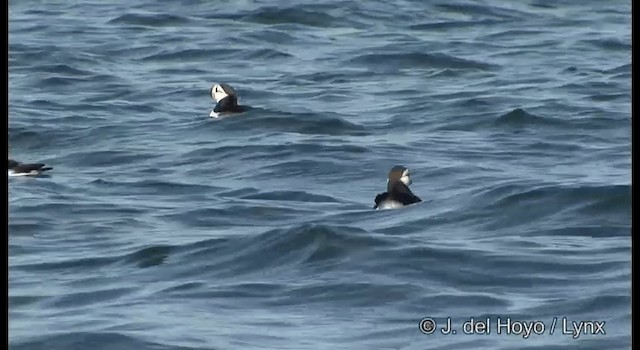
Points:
x=163, y=228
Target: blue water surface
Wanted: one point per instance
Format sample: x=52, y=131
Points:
x=163, y=228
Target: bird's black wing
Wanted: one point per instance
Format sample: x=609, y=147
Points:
x=380, y=198
x=227, y=104
x=27, y=168
x=403, y=194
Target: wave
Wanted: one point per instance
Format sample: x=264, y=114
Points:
x=313, y=245
x=209, y=54
x=420, y=60
x=303, y=123
x=294, y=15
x=445, y=25
x=150, y=20
x=83, y=340
x=474, y=10
x=610, y=44
x=519, y=117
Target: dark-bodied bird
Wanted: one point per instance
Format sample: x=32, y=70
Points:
x=398, y=193
x=226, y=100
x=16, y=168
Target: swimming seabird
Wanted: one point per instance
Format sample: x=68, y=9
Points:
x=398, y=193
x=226, y=99
x=16, y=168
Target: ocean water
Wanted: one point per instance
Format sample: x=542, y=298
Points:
x=162, y=228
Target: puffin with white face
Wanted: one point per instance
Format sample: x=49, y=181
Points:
x=16, y=168
x=226, y=100
x=398, y=193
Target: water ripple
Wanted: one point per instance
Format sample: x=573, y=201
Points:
x=163, y=228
